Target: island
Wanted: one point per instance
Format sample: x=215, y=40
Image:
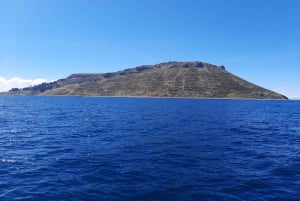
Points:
x=170, y=79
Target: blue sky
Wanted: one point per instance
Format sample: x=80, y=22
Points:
x=258, y=40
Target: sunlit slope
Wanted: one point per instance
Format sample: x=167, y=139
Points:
x=171, y=79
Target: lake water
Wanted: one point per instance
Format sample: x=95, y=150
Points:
x=80, y=148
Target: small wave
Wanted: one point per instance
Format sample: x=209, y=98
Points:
x=8, y=161
x=287, y=171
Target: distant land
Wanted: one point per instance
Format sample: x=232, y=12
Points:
x=170, y=79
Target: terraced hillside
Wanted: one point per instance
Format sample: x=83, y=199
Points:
x=171, y=79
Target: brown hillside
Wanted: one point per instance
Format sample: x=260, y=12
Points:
x=171, y=79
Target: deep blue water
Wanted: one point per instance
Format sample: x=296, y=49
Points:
x=79, y=148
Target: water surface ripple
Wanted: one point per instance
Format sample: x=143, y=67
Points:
x=79, y=148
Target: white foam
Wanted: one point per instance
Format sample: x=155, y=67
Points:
x=8, y=161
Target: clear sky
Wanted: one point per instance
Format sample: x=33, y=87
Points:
x=258, y=40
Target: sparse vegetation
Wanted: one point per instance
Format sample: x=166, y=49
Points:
x=171, y=79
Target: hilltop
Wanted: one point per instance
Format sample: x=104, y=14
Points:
x=170, y=79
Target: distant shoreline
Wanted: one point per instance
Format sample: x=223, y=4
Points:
x=148, y=97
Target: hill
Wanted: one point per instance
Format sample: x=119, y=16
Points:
x=171, y=79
